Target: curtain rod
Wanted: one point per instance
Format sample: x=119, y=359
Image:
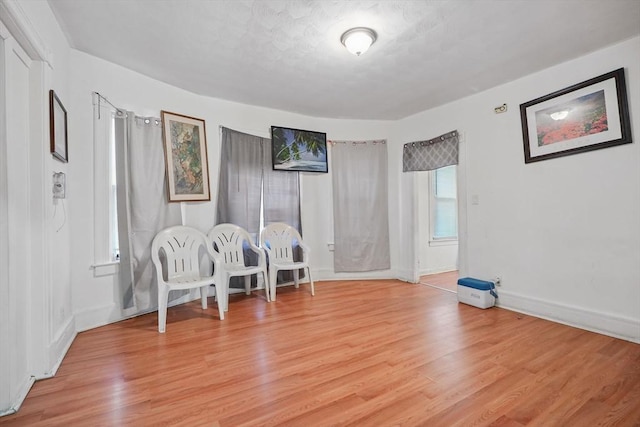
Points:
x=373, y=141
x=107, y=101
x=122, y=112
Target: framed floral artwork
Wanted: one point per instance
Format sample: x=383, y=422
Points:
x=185, y=150
x=586, y=116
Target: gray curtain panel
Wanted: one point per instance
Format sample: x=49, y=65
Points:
x=240, y=188
x=125, y=271
x=143, y=208
x=246, y=175
x=360, y=206
x=431, y=154
x=240, y=183
x=282, y=204
x=281, y=193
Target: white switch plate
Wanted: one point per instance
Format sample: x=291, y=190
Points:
x=59, y=185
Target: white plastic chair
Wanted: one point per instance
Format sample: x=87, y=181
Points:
x=228, y=240
x=280, y=240
x=181, y=246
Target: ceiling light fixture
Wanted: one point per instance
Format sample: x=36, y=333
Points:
x=358, y=40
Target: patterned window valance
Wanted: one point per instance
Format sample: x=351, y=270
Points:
x=432, y=154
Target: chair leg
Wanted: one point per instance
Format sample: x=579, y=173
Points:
x=163, y=300
x=226, y=293
x=247, y=285
x=313, y=292
x=266, y=285
x=204, y=293
x=220, y=299
x=273, y=277
x=296, y=278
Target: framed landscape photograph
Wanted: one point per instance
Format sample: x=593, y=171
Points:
x=58, y=128
x=298, y=150
x=185, y=152
x=587, y=116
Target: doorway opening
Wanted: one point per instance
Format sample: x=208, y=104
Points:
x=437, y=225
x=447, y=281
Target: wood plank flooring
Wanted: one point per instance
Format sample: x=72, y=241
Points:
x=359, y=353
x=447, y=280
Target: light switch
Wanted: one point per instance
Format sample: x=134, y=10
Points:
x=59, y=185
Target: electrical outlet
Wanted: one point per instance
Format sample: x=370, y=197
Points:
x=498, y=281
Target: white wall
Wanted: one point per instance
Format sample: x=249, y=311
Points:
x=564, y=234
x=94, y=297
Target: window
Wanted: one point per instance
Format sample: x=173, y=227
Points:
x=444, y=204
x=250, y=193
x=113, y=196
x=105, y=250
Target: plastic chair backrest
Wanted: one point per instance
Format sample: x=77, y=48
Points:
x=229, y=240
x=281, y=239
x=181, y=246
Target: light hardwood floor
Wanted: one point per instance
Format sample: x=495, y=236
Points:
x=359, y=353
x=447, y=280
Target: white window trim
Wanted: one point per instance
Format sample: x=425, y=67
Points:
x=442, y=242
x=103, y=262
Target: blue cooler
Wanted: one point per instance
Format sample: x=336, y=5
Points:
x=478, y=293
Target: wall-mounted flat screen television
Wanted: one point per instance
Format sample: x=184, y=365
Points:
x=298, y=150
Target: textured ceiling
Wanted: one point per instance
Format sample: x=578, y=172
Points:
x=287, y=54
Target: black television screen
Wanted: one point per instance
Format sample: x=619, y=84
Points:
x=298, y=150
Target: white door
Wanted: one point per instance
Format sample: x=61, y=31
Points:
x=15, y=235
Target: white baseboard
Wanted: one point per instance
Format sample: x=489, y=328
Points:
x=103, y=315
x=56, y=352
x=437, y=270
x=603, y=323
x=329, y=274
x=22, y=395
x=405, y=276
x=96, y=316
x=59, y=347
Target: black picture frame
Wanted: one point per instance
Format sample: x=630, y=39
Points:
x=587, y=116
x=186, y=159
x=58, y=128
x=297, y=150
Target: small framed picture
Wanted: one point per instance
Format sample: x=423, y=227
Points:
x=185, y=151
x=586, y=116
x=58, y=128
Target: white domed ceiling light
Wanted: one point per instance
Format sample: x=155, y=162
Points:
x=358, y=40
